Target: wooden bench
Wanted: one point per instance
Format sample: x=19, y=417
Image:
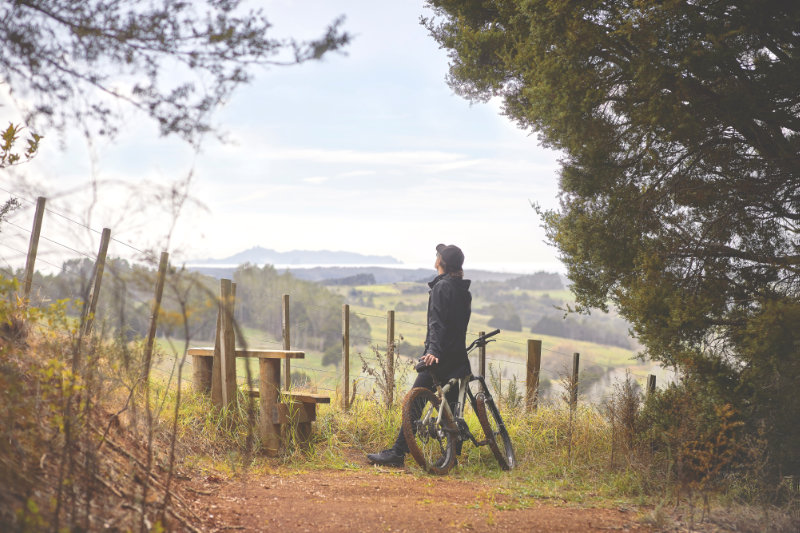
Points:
x=296, y=410
x=274, y=414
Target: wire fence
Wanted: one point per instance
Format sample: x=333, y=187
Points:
x=502, y=372
x=507, y=369
x=42, y=251
x=72, y=221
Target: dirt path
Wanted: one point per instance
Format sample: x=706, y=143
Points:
x=374, y=499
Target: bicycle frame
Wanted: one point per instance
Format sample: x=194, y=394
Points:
x=464, y=392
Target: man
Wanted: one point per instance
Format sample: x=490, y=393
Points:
x=449, y=309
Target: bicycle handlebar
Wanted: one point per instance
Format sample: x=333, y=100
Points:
x=492, y=334
x=482, y=340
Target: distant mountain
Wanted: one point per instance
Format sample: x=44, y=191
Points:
x=380, y=275
x=261, y=256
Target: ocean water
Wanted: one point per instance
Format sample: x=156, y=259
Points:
x=515, y=268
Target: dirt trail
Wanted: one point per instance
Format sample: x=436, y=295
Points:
x=374, y=499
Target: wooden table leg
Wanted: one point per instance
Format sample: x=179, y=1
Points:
x=304, y=433
x=202, y=373
x=270, y=379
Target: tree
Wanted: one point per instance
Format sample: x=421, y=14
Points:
x=680, y=181
x=504, y=316
x=315, y=310
x=176, y=61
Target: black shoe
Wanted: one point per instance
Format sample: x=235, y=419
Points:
x=390, y=457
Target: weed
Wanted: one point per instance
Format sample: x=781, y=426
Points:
x=622, y=411
x=390, y=373
x=569, y=395
x=510, y=396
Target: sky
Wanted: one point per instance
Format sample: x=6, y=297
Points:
x=368, y=151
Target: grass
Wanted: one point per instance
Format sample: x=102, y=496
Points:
x=546, y=472
x=341, y=439
x=508, y=354
x=225, y=443
x=412, y=325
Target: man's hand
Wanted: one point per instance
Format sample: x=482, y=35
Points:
x=429, y=359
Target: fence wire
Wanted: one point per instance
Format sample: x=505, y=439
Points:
x=76, y=222
x=337, y=375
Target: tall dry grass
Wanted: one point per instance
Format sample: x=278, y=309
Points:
x=80, y=448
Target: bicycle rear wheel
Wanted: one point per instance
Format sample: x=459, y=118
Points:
x=495, y=431
x=431, y=444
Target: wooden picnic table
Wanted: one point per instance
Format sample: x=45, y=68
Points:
x=273, y=414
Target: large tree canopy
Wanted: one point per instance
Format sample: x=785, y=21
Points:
x=72, y=62
x=680, y=182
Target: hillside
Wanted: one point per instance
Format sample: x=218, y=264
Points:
x=94, y=446
x=601, y=363
x=260, y=256
x=331, y=273
x=517, y=306
x=524, y=307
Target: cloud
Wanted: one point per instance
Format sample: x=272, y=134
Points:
x=316, y=179
x=357, y=173
x=454, y=165
x=406, y=157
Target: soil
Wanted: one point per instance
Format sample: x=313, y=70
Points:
x=381, y=499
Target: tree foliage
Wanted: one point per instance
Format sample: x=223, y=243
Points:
x=504, y=316
x=315, y=311
x=513, y=304
x=126, y=309
x=176, y=61
x=604, y=329
x=9, y=154
x=680, y=182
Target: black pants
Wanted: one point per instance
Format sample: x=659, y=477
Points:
x=424, y=379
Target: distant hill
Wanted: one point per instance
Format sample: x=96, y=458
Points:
x=337, y=268
x=358, y=279
x=381, y=275
x=261, y=256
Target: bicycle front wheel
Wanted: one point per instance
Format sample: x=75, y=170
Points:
x=431, y=444
x=495, y=431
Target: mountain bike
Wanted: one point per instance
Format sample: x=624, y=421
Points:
x=434, y=431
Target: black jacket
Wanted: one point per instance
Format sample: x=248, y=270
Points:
x=449, y=309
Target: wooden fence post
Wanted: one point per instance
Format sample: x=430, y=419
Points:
x=651, y=384
x=482, y=356
x=573, y=401
x=390, y=357
x=206, y=377
x=216, y=372
x=287, y=365
x=33, y=247
x=345, y=356
x=151, y=334
x=90, y=307
x=532, y=374
x=227, y=345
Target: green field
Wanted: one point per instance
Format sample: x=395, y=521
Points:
x=600, y=364
x=511, y=345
